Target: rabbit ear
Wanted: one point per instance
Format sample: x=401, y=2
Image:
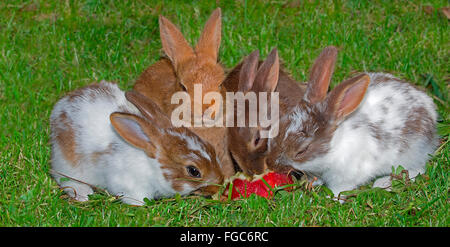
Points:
x=174, y=44
x=248, y=72
x=267, y=76
x=134, y=130
x=346, y=97
x=149, y=109
x=209, y=42
x=320, y=76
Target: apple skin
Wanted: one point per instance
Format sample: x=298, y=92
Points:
x=243, y=188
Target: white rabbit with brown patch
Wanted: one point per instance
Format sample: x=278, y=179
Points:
x=358, y=131
x=102, y=137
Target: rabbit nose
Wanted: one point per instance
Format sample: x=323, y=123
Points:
x=297, y=174
x=257, y=171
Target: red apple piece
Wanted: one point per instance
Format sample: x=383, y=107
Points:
x=244, y=187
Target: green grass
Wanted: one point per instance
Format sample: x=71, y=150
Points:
x=48, y=48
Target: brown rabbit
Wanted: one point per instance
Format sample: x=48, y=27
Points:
x=185, y=67
x=246, y=146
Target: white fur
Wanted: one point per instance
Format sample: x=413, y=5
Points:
x=119, y=168
x=356, y=157
x=297, y=117
x=192, y=143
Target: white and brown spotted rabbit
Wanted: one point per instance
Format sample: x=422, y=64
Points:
x=357, y=132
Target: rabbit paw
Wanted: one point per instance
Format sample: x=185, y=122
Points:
x=383, y=182
x=77, y=191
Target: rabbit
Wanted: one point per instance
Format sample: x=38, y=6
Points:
x=247, y=147
x=357, y=132
x=181, y=70
x=184, y=66
x=102, y=137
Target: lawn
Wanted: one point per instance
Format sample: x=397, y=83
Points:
x=48, y=48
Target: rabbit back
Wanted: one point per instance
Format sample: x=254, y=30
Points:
x=87, y=153
x=85, y=112
x=394, y=125
x=399, y=118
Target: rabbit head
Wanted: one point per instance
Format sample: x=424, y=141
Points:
x=306, y=131
x=187, y=163
x=199, y=65
x=247, y=146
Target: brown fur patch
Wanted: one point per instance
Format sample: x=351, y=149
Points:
x=198, y=70
x=419, y=121
x=381, y=79
x=159, y=82
x=96, y=155
x=65, y=137
x=381, y=135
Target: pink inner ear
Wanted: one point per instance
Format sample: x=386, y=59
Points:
x=352, y=98
x=174, y=44
x=320, y=76
x=267, y=76
x=209, y=42
x=272, y=78
x=248, y=72
x=322, y=84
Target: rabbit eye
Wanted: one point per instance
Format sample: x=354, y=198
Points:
x=301, y=152
x=256, y=142
x=193, y=171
